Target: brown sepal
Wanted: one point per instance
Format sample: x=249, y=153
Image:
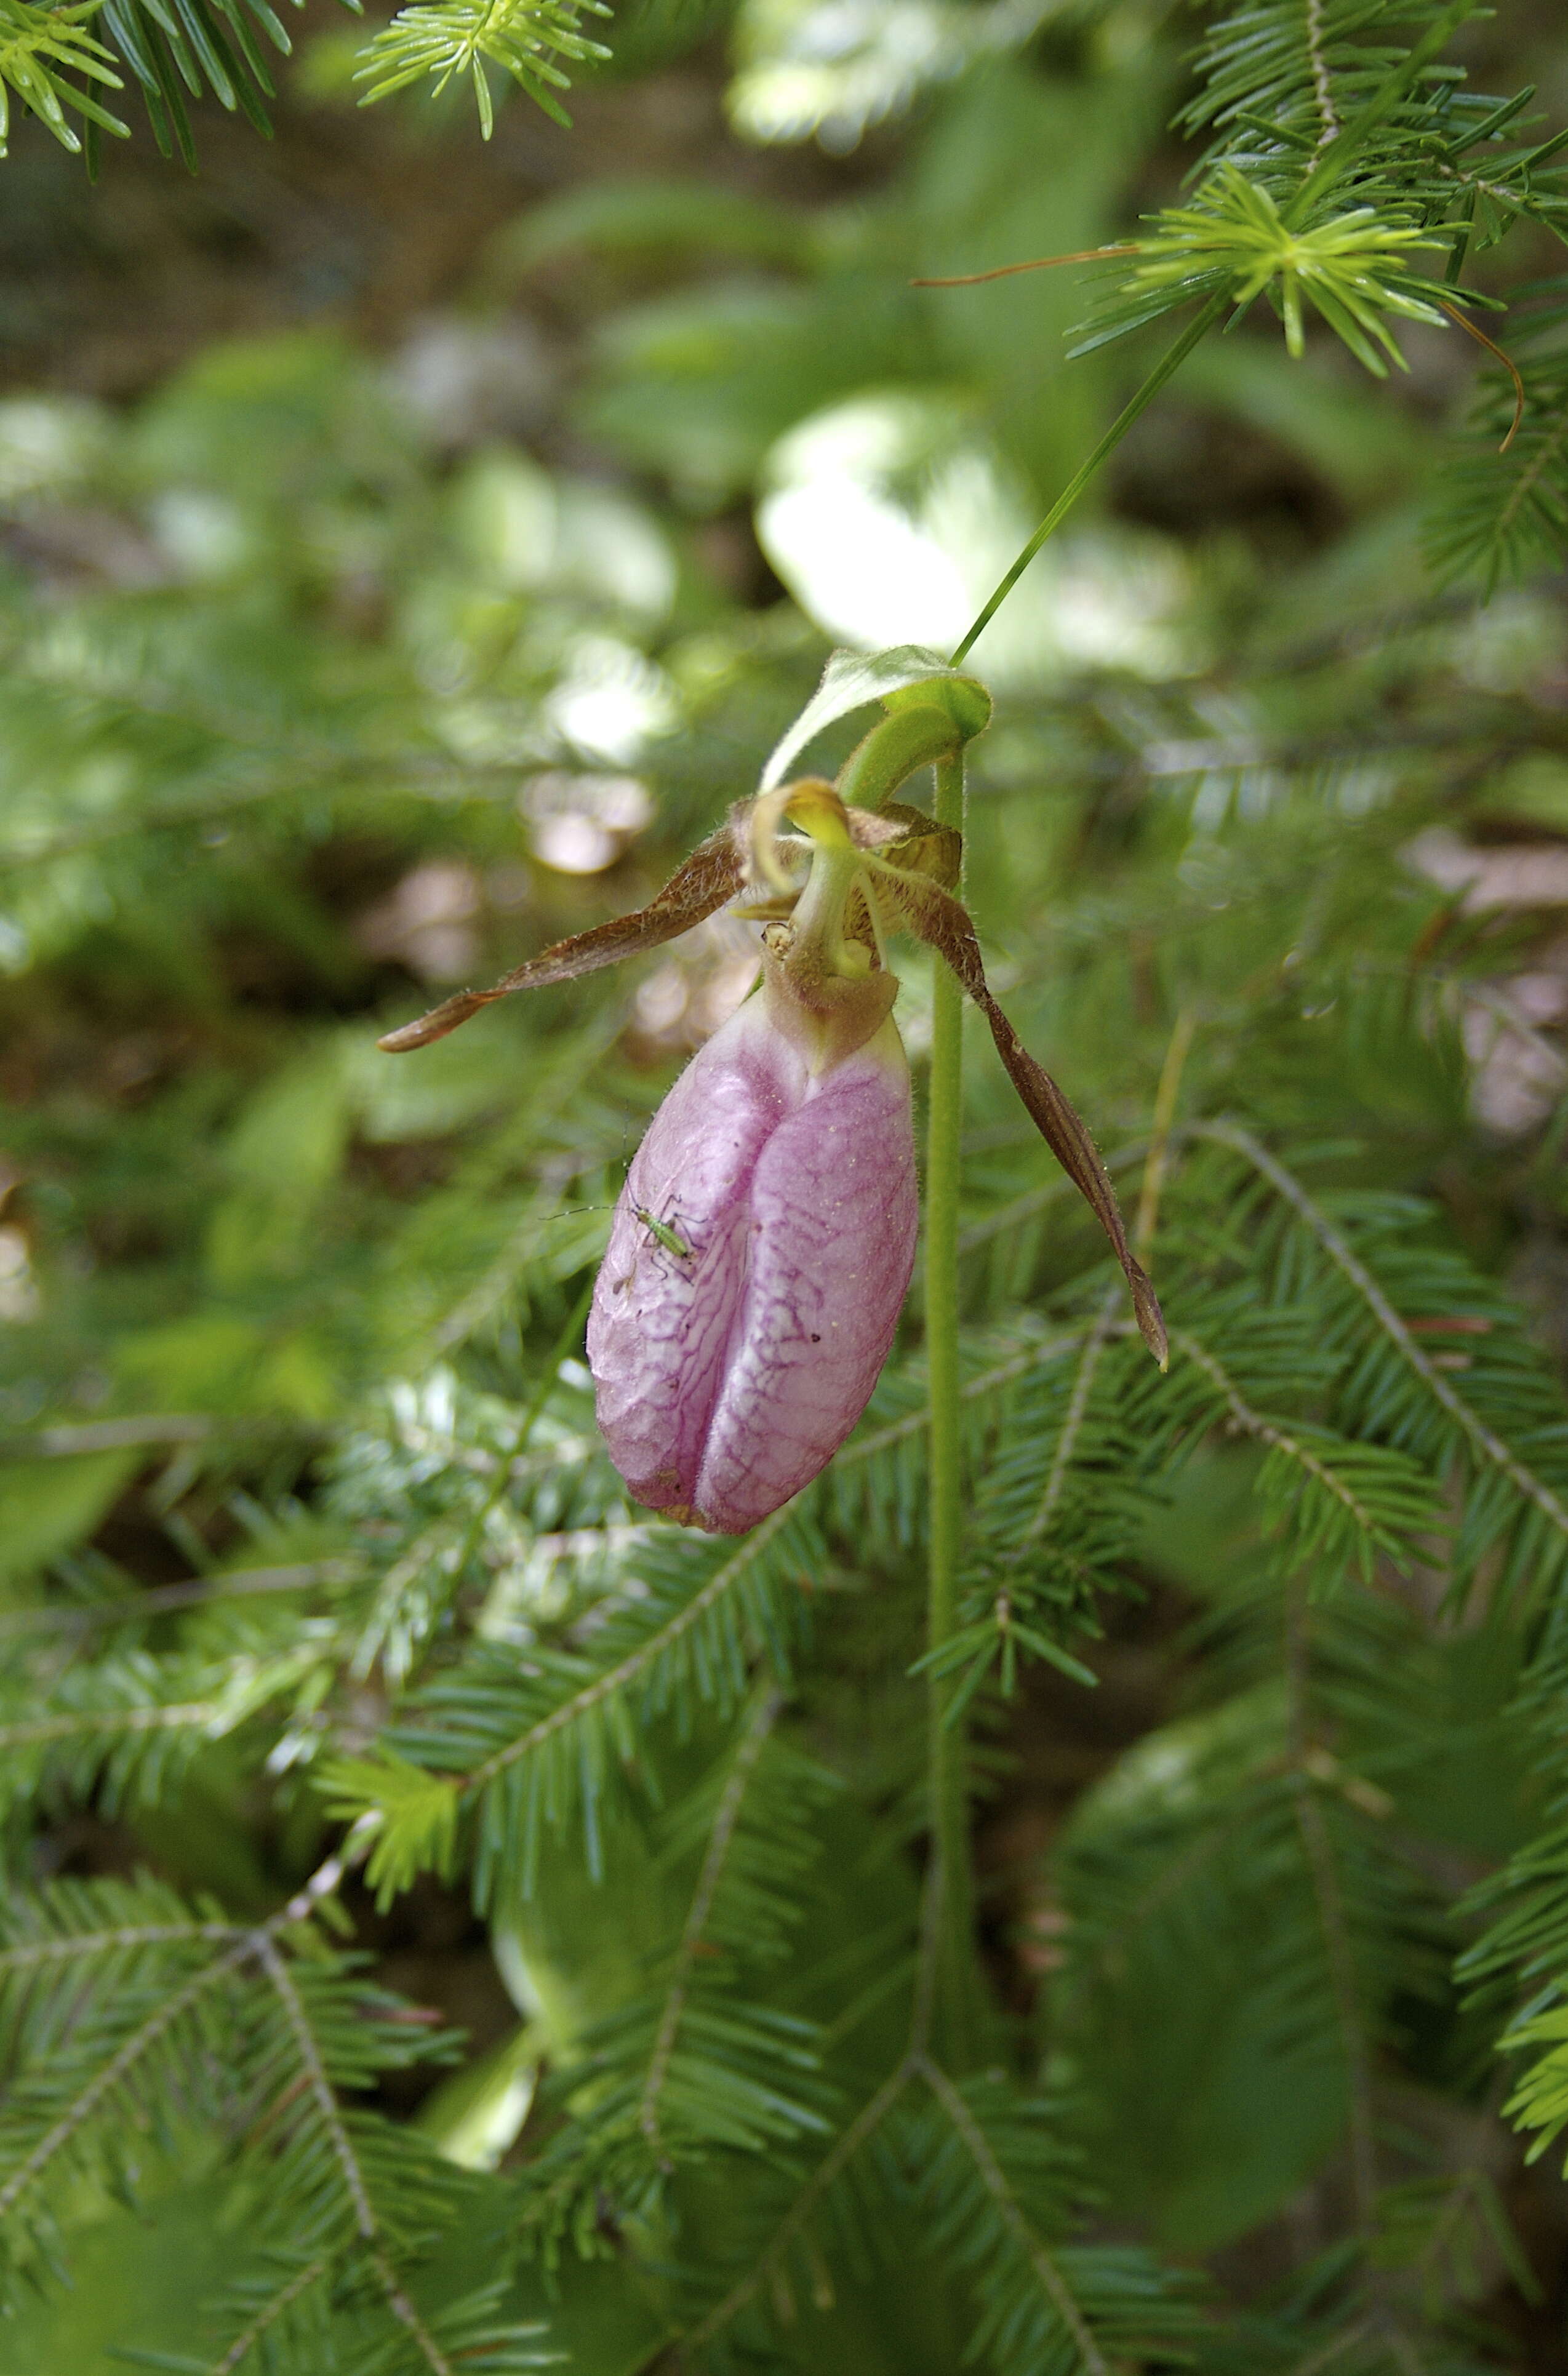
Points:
x=711, y=875
x=938, y=919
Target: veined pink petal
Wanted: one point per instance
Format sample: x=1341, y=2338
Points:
x=728, y=1374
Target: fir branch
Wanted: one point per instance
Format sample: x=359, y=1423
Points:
x=1352, y=268
x=1323, y=82
x=726, y=1815
x=271, y=2312
x=702, y=2063
x=40, y=1952
x=127, y=1727
x=668, y=1633
x=640, y=1663
x=1043, y=2267
x=107, y=2080
x=319, y=2088
x=916, y=1425
x=1034, y=1201
x=1072, y=1419
x=1329, y=1900
x=527, y=1746
x=412, y=1594
x=1250, y=1423
x=1500, y=509
x=441, y=38
x=159, y=1599
x=64, y=1918
x=175, y=46
x=1299, y=102
x=40, y=46
x=325, y=2171
x=65, y=1442
x=1482, y=1440
x=1273, y=68
x=1384, y=1497
x=87, y=1724
x=792, y=2228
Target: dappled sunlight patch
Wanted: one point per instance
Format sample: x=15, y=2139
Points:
x=890, y=524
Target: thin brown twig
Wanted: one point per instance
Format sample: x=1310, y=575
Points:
x=1509, y=365
x=1035, y=264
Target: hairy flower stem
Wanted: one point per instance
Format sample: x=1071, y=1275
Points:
x=1170, y=362
x=951, y=1929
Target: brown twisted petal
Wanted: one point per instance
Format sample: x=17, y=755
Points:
x=717, y=870
x=938, y=919
x=713, y=874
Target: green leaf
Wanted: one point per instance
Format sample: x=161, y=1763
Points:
x=851, y=678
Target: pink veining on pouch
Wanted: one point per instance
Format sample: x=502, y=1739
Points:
x=728, y=1374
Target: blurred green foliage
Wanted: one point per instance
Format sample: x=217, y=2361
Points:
x=319, y=699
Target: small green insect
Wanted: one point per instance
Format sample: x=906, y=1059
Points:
x=662, y=1231
x=673, y=1242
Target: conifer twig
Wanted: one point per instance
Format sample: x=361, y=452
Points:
x=1474, y=1429
x=119, y=2065
x=270, y=2312
x=1329, y=1901
x=1167, y=1095
x=1036, y=1200
x=615, y=1679
x=1091, y=2360
x=36, y=1952
x=324, y=2095
x=1264, y=1430
x=989, y=1381
x=175, y=1717
x=158, y=1599
x=1102, y=1327
x=726, y=1815
x=867, y=2120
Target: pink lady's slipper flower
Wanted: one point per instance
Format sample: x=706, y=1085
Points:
x=734, y=1351
x=764, y=1241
